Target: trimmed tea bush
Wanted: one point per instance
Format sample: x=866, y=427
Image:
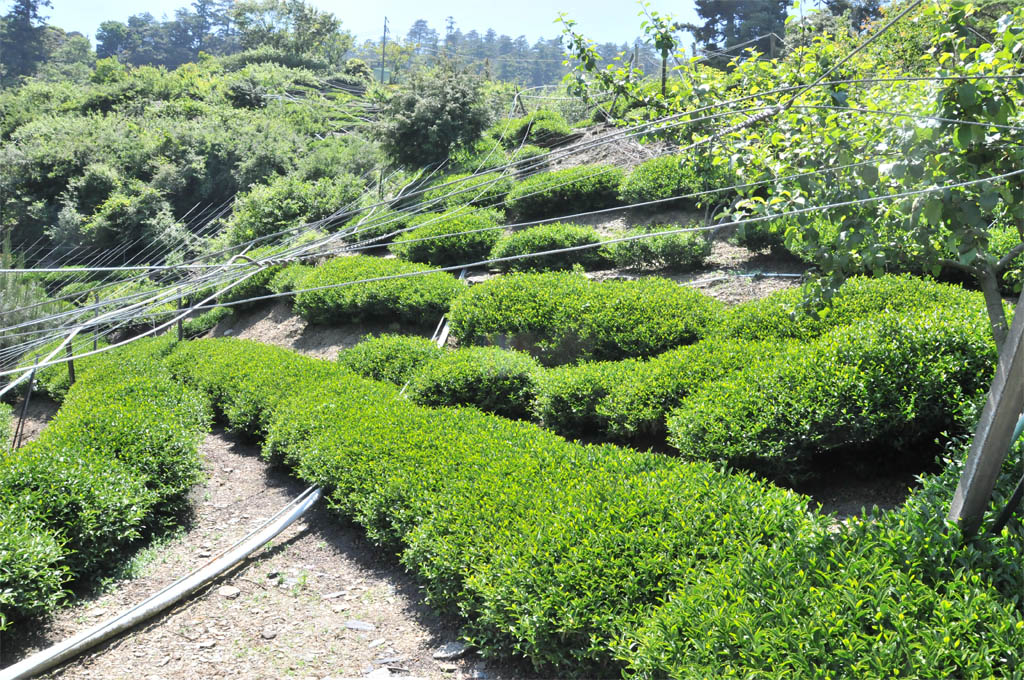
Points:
x=482, y=190
x=6, y=428
x=661, y=178
x=449, y=239
x=565, y=192
x=489, y=378
x=391, y=358
x=375, y=224
x=542, y=128
x=291, y=277
x=114, y=464
x=54, y=381
x=562, y=317
x=418, y=299
x=568, y=396
x=780, y=316
x=551, y=237
x=888, y=384
x=683, y=252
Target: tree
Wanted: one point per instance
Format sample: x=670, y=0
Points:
x=291, y=26
x=435, y=111
x=22, y=41
x=729, y=23
x=860, y=12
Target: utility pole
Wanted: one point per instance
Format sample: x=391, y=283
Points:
x=383, y=46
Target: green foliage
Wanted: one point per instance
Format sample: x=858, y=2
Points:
x=568, y=191
x=418, y=299
x=554, y=236
x=204, y=322
x=549, y=549
x=665, y=177
x=890, y=383
x=489, y=378
x=289, y=202
x=54, y=381
x=115, y=463
x=291, y=277
x=562, y=317
x=483, y=154
x=682, y=252
x=543, y=128
x=391, y=358
x=483, y=190
x=433, y=113
x=6, y=427
x=568, y=396
x=430, y=242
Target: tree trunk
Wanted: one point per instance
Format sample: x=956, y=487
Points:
x=664, y=69
x=989, y=280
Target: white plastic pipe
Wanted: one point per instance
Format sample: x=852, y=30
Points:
x=41, y=661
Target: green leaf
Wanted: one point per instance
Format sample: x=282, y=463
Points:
x=933, y=211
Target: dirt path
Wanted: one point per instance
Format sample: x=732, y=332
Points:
x=319, y=602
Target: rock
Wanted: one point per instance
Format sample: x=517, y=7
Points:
x=272, y=574
x=478, y=674
x=204, y=553
x=354, y=624
x=376, y=643
x=230, y=592
x=337, y=593
x=450, y=651
x=268, y=634
x=379, y=673
x=449, y=667
x=96, y=612
x=207, y=644
x=389, y=660
x=230, y=331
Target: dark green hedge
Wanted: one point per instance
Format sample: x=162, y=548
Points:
x=543, y=128
x=661, y=178
x=54, y=381
x=566, y=192
x=885, y=386
x=451, y=238
x=391, y=358
x=115, y=464
x=205, y=322
x=483, y=190
x=418, y=299
x=682, y=252
x=562, y=317
x=551, y=237
x=490, y=378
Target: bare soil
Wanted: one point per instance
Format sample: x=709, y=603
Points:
x=40, y=410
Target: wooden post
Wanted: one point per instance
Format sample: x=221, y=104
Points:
x=20, y=430
x=181, y=328
x=993, y=435
x=71, y=363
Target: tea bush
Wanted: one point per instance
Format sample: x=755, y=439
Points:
x=490, y=378
x=6, y=428
x=391, y=358
x=888, y=384
x=562, y=317
x=205, y=322
x=564, y=192
x=54, y=381
x=683, y=252
x=291, y=277
x=114, y=464
x=483, y=190
x=550, y=237
x=662, y=178
x=542, y=128
x=418, y=299
x=376, y=223
x=568, y=396
x=449, y=239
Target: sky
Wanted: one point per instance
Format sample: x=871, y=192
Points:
x=600, y=21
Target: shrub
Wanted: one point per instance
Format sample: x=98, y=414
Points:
x=54, y=381
x=481, y=190
x=529, y=158
x=550, y=550
x=449, y=239
x=568, y=396
x=761, y=236
x=683, y=252
x=205, y=322
x=375, y=224
x=562, y=317
x=886, y=386
x=415, y=298
x=550, y=237
x=541, y=128
x=392, y=358
x=781, y=315
x=288, y=202
x=662, y=178
x=563, y=192
x=483, y=154
x=6, y=430
x=489, y=378
x=115, y=463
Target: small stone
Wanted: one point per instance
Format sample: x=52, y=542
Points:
x=337, y=593
x=450, y=651
x=449, y=667
x=388, y=660
x=376, y=643
x=230, y=331
x=273, y=574
x=379, y=673
x=207, y=644
x=96, y=612
x=204, y=553
x=268, y=634
x=355, y=624
x=230, y=592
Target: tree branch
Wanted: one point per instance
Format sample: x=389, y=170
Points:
x=1009, y=258
x=956, y=264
